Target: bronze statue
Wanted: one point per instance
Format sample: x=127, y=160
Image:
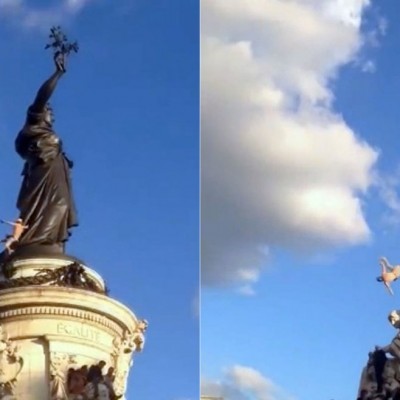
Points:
x=45, y=200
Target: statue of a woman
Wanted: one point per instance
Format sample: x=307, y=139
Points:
x=45, y=200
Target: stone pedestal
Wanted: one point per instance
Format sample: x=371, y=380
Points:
x=56, y=318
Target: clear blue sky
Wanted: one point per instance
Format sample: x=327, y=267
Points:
x=127, y=111
x=310, y=193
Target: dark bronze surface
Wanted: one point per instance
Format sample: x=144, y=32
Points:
x=45, y=200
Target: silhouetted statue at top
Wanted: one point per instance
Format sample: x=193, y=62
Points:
x=45, y=201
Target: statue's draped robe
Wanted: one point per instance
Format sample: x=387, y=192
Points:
x=45, y=200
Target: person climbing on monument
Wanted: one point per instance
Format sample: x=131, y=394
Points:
x=109, y=378
x=389, y=274
x=95, y=376
x=18, y=228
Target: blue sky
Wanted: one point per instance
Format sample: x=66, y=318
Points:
x=127, y=111
x=300, y=180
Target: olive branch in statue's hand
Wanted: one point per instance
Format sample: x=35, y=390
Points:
x=61, y=47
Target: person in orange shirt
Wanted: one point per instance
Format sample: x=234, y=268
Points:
x=389, y=274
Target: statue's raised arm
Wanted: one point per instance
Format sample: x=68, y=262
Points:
x=45, y=91
x=61, y=50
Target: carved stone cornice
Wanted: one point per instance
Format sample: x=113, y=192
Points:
x=57, y=311
x=68, y=302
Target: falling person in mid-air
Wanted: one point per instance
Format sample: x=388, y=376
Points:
x=18, y=229
x=389, y=274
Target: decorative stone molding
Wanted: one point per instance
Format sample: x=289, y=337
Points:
x=122, y=354
x=68, y=302
x=394, y=318
x=63, y=271
x=11, y=365
x=28, y=267
x=138, y=335
x=59, y=363
x=55, y=311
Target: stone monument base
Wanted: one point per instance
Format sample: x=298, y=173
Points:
x=54, y=327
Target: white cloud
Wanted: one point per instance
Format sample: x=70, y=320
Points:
x=40, y=18
x=243, y=383
x=4, y=4
x=382, y=25
x=76, y=5
x=279, y=166
x=246, y=290
x=368, y=66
